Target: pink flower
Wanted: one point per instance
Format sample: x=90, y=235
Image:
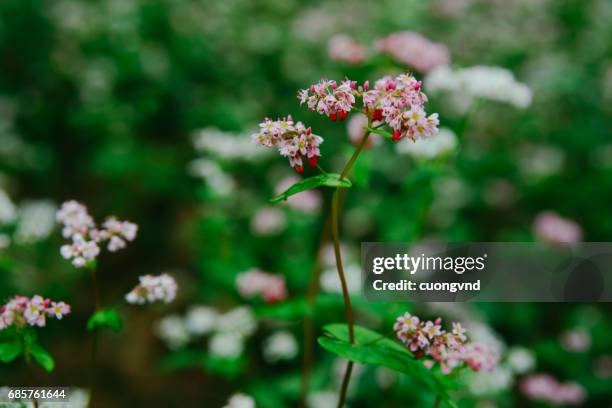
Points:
x=544, y=387
x=342, y=47
x=414, y=50
x=293, y=141
x=329, y=98
x=255, y=282
x=551, y=227
x=576, y=340
x=21, y=311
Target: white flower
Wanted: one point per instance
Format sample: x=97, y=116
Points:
x=240, y=401
x=520, y=360
x=8, y=212
x=431, y=147
x=153, y=288
x=281, y=345
x=239, y=320
x=219, y=182
x=171, y=329
x=201, y=320
x=226, y=345
x=330, y=283
x=323, y=399
x=493, y=83
x=36, y=221
x=226, y=145
x=490, y=382
x=268, y=221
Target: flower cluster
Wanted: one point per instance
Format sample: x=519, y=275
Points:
x=258, y=283
x=450, y=349
x=293, y=140
x=21, y=311
x=328, y=98
x=399, y=103
x=86, y=237
x=543, y=387
x=414, y=50
x=342, y=47
x=153, y=288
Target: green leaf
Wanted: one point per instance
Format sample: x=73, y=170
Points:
x=9, y=350
x=42, y=356
x=381, y=132
x=182, y=359
x=373, y=348
x=105, y=318
x=328, y=180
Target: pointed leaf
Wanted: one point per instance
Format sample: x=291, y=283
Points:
x=105, y=318
x=382, y=133
x=42, y=356
x=327, y=180
x=9, y=350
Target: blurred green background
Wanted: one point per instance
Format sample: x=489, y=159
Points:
x=105, y=102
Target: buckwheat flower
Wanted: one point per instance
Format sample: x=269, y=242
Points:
x=201, y=320
x=544, y=387
x=240, y=401
x=342, y=47
x=576, y=340
x=75, y=218
x=399, y=103
x=226, y=146
x=80, y=251
x=8, y=211
x=520, y=360
x=330, y=283
x=490, y=382
x=240, y=320
x=323, y=399
x=413, y=49
x=445, y=142
x=118, y=232
x=280, y=346
x=172, y=331
x=255, y=282
x=226, y=345
x=293, y=140
x=153, y=288
x=268, y=221
x=36, y=221
x=550, y=227
x=330, y=99
x=22, y=311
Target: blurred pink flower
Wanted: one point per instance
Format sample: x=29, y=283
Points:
x=342, y=47
x=544, y=387
x=576, y=340
x=355, y=128
x=308, y=201
x=414, y=50
x=551, y=227
x=255, y=282
x=268, y=221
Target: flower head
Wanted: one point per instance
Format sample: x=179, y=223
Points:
x=22, y=311
x=329, y=98
x=258, y=283
x=153, y=288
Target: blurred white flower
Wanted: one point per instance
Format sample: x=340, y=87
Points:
x=431, y=147
x=201, y=320
x=218, y=181
x=330, y=283
x=152, y=288
x=8, y=211
x=520, y=360
x=36, y=221
x=172, y=331
x=240, y=401
x=280, y=346
x=226, y=345
x=5, y=241
x=323, y=399
x=493, y=83
x=537, y=162
x=385, y=377
x=268, y=221
x=227, y=146
x=490, y=382
x=240, y=321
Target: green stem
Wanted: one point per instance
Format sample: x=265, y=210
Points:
x=28, y=359
x=338, y=255
x=94, y=340
x=437, y=403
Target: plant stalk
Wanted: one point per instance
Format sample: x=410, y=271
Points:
x=94, y=340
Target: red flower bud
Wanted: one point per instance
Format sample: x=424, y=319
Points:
x=312, y=89
x=343, y=115
x=313, y=160
x=377, y=114
x=417, y=86
x=333, y=116
x=299, y=169
x=396, y=135
x=366, y=85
